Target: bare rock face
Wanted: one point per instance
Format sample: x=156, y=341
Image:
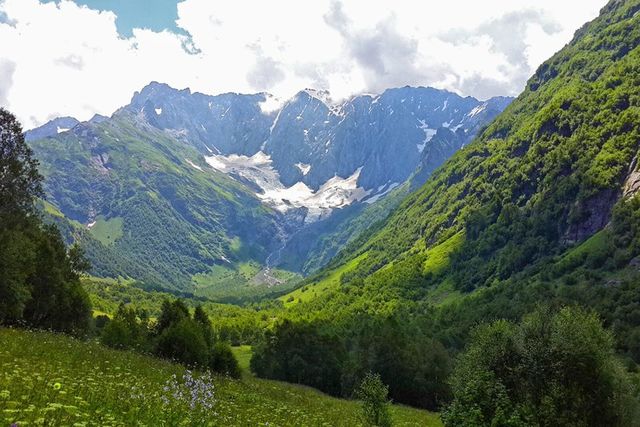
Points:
x=632, y=184
x=595, y=215
x=310, y=139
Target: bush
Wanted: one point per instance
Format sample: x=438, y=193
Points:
x=125, y=331
x=184, y=342
x=223, y=361
x=551, y=369
x=373, y=394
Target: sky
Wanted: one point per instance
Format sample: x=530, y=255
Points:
x=82, y=57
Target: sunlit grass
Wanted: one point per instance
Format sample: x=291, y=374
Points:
x=51, y=379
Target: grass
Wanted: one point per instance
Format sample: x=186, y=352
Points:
x=320, y=287
x=240, y=282
x=107, y=231
x=51, y=379
x=243, y=355
x=438, y=257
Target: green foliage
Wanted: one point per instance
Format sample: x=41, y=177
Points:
x=551, y=369
x=19, y=176
x=336, y=357
x=100, y=386
x=223, y=360
x=302, y=354
x=175, y=335
x=127, y=330
x=157, y=219
x=39, y=278
x=237, y=325
x=172, y=313
x=183, y=342
x=373, y=394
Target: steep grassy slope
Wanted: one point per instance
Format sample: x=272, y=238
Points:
x=497, y=217
x=557, y=157
x=143, y=197
x=55, y=380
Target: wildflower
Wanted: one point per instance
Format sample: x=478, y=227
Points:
x=57, y=386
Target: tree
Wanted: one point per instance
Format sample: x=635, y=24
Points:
x=39, y=279
x=126, y=330
x=551, y=369
x=171, y=313
x=223, y=361
x=57, y=299
x=375, y=404
x=185, y=343
x=20, y=181
x=205, y=324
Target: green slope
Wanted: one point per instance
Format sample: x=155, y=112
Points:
x=147, y=198
x=482, y=238
x=68, y=382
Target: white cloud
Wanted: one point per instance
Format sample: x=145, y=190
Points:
x=62, y=59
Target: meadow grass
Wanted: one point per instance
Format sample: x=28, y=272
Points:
x=321, y=286
x=51, y=379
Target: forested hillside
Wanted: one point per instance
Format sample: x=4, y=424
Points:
x=539, y=210
x=133, y=194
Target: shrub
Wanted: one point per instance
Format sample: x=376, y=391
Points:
x=551, y=369
x=184, y=342
x=222, y=360
x=373, y=394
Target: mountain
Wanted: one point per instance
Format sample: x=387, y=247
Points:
x=200, y=193
x=314, y=155
x=540, y=208
x=51, y=128
x=143, y=195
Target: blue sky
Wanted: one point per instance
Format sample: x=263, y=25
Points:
x=156, y=15
x=81, y=57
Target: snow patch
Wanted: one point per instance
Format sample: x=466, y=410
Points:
x=91, y=224
x=479, y=109
x=322, y=95
x=378, y=196
x=304, y=168
x=270, y=104
x=193, y=165
x=337, y=192
x=428, y=135
x=158, y=111
x=60, y=130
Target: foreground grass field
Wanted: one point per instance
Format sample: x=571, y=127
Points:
x=51, y=379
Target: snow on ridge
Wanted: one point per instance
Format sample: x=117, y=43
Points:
x=322, y=95
x=60, y=130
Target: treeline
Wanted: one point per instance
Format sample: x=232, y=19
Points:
x=39, y=277
x=176, y=335
x=335, y=359
x=556, y=367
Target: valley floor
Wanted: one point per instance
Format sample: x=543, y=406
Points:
x=51, y=379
